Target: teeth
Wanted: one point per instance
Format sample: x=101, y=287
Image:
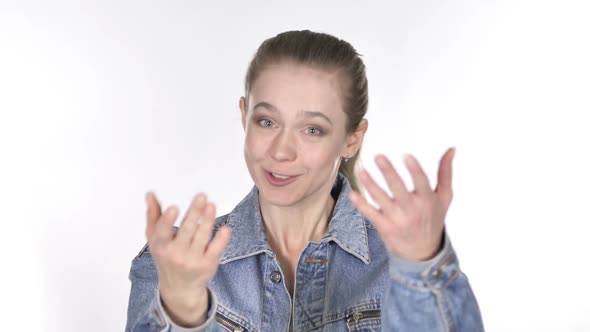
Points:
x=278, y=176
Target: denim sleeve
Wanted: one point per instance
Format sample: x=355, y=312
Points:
x=145, y=312
x=209, y=324
x=430, y=296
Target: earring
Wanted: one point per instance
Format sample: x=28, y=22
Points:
x=346, y=158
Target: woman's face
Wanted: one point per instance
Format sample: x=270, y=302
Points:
x=295, y=128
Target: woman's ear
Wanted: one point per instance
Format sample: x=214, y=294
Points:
x=244, y=111
x=355, y=139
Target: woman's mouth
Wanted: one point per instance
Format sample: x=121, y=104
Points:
x=277, y=179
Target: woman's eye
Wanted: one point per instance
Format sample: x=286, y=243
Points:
x=265, y=123
x=314, y=131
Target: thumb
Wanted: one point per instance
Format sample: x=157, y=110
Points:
x=445, y=177
x=153, y=213
x=169, y=217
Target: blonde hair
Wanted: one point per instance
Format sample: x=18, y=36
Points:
x=324, y=50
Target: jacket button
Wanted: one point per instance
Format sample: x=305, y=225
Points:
x=437, y=274
x=275, y=277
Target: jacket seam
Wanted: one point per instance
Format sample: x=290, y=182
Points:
x=373, y=305
x=237, y=318
x=442, y=308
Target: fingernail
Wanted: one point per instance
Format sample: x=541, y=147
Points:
x=407, y=158
x=210, y=209
x=361, y=172
x=171, y=213
x=200, y=199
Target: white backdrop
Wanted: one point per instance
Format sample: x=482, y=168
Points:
x=101, y=101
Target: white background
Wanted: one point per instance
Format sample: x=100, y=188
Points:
x=101, y=101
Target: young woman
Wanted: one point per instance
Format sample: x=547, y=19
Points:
x=307, y=252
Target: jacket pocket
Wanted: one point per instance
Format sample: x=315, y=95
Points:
x=229, y=324
x=366, y=320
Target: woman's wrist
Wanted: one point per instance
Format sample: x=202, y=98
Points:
x=188, y=312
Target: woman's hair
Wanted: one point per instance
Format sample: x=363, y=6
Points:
x=324, y=51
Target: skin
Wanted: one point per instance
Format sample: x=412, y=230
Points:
x=281, y=138
x=185, y=262
x=410, y=223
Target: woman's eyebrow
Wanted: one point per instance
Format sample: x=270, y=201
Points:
x=265, y=105
x=307, y=114
x=311, y=114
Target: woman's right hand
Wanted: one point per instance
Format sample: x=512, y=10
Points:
x=186, y=261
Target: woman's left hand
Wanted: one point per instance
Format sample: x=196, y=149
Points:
x=410, y=223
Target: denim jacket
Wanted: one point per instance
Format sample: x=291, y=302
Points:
x=346, y=282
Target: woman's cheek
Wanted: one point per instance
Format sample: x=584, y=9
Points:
x=322, y=153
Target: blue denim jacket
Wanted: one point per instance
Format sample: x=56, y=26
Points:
x=346, y=282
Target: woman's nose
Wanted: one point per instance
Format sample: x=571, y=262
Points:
x=283, y=146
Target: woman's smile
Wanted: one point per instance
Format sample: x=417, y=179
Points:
x=280, y=180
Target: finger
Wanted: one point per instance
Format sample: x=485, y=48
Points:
x=189, y=225
x=445, y=177
x=382, y=224
x=153, y=213
x=379, y=195
x=203, y=234
x=421, y=183
x=393, y=180
x=218, y=244
x=164, y=230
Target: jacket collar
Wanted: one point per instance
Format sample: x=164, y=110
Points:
x=346, y=228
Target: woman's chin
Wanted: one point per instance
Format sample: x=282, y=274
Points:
x=275, y=197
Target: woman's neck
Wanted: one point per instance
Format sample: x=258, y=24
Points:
x=289, y=229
